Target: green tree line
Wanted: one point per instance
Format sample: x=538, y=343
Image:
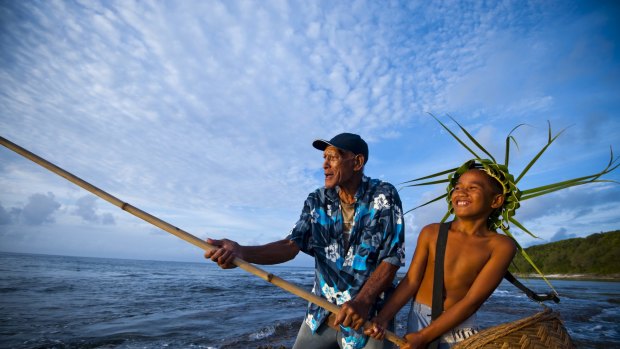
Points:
x=595, y=254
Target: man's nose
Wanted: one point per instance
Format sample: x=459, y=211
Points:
x=325, y=164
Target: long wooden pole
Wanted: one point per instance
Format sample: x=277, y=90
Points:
x=287, y=286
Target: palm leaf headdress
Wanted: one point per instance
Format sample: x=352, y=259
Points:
x=504, y=216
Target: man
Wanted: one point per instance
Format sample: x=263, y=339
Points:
x=353, y=227
x=476, y=259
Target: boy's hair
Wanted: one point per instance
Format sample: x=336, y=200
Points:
x=494, y=180
x=501, y=181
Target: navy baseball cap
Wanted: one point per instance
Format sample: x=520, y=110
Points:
x=345, y=141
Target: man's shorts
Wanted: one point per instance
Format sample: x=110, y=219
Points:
x=420, y=317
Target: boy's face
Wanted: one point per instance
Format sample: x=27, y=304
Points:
x=474, y=196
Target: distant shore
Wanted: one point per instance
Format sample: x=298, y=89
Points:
x=597, y=277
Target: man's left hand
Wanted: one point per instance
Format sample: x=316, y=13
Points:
x=353, y=314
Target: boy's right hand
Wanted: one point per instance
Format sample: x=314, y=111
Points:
x=377, y=331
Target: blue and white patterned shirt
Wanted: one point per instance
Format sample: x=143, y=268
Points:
x=377, y=235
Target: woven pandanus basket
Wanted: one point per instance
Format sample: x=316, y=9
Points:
x=541, y=330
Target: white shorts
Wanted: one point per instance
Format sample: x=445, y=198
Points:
x=420, y=317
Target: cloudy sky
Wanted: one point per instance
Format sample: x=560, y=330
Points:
x=203, y=112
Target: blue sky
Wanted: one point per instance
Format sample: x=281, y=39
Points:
x=203, y=112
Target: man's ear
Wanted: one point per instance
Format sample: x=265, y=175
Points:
x=498, y=201
x=359, y=162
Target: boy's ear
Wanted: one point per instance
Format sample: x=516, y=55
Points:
x=498, y=201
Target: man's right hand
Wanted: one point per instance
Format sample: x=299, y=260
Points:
x=224, y=252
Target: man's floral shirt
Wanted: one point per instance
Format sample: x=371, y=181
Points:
x=377, y=235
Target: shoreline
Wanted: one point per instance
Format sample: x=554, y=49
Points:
x=584, y=277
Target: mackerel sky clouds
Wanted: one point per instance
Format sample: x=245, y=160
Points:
x=203, y=112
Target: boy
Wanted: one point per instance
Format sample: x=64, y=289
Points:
x=476, y=258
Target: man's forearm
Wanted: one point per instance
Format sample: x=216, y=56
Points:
x=378, y=282
x=272, y=253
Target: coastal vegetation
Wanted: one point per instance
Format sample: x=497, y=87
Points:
x=594, y=255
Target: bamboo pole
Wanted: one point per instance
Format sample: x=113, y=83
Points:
x=269, y=277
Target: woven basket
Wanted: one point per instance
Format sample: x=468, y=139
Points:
x=541, y=330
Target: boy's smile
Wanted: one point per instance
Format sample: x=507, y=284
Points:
x=462, y=203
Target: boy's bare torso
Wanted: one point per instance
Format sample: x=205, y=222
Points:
x=465, y=257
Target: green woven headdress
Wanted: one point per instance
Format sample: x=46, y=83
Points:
x=502, y=218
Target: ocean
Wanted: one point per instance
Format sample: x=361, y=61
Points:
x=76, y=302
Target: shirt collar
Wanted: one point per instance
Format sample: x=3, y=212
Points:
x=359, y=195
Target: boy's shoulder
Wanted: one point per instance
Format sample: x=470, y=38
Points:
x=503, y=242
x=432, y=228
x=430, y=232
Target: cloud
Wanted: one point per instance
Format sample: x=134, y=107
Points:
x=575, y=202
x=205, y=111
x=562, y=234
x=86, y=208
x=107, y=219
x=39, y=209
x=5, y=218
